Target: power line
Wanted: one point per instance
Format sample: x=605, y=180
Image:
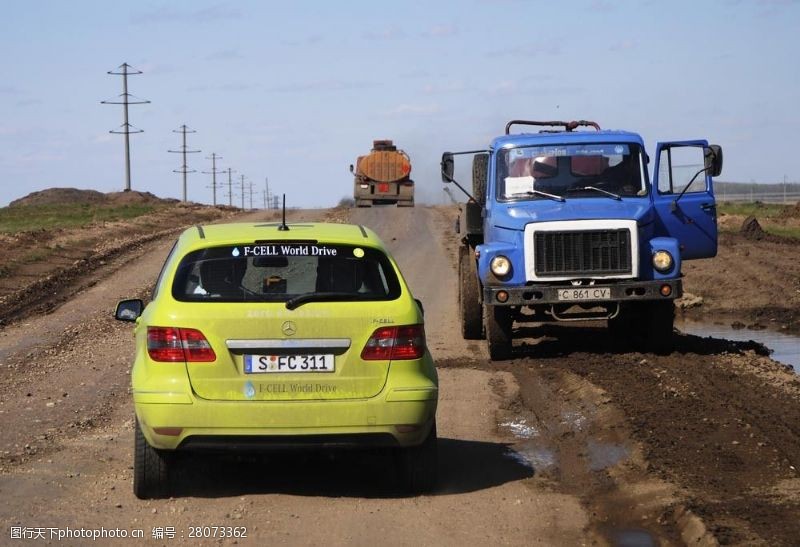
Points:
x=184, y=168
x=213, y=174
x=126, y=128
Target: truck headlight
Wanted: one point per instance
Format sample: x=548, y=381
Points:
x=500, y=266
x=662, y=261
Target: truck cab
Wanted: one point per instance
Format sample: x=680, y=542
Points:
x=564, y=224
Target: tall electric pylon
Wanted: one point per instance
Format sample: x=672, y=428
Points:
x=184, y=168
x=230, y=188
x=126, y=128
x=213, y=174
x=242, y=192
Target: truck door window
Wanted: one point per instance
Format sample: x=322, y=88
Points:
x=676, y=167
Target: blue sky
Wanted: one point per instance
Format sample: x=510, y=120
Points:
x=294, y=91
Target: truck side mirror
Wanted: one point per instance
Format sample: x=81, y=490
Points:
x=448, y=167
x=713, y=159
x=129, y=310
x=351, y=167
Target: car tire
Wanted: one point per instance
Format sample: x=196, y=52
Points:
x=469, y=302
x=150, y=468
x=480, y=172
x=497, y=321
x=419, y=465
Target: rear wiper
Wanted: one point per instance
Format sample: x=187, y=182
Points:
x=301, y=299
x=545, y=194
x=596, y=189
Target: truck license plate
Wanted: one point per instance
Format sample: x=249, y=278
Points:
x=590, y=293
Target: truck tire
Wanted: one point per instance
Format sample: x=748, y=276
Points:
x=480, y=172
x=151, y=473
x=469, y=302
x=497, y=322
x=657, y=321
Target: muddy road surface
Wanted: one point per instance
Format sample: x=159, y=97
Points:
x=570, y=442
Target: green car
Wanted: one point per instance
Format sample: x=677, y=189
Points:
x=262, y=336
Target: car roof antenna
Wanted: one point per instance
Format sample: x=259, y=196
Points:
x=283, y=227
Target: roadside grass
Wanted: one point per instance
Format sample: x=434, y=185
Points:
x=771, y=216
x=38, y=217
x=757, y=209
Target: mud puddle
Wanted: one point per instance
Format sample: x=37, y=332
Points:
x=785, y=348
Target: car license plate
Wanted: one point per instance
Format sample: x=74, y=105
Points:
x=264, y=364
x=585, y=293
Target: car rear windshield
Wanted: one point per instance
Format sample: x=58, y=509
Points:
x=280, y=271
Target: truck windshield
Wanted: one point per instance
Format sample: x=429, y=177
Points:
x=595, y=170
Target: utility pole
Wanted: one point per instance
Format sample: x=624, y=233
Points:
x=213, y=174
x=230, y=188
x=242, y=192
x=126, y=128
x=267, y=198
x=184, y=168
x=251, y=195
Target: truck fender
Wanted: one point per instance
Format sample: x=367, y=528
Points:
x=672, y=246
x=488, y=251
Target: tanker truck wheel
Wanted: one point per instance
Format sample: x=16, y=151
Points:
x=469, y=302
x=497, y=321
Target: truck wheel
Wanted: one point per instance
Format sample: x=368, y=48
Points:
x=657, y=322
x=419, y=465
x=480, y=172
x=497, y=321
x=150, y=468
x=469, y=302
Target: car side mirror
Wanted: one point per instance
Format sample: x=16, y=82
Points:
x=351, y=167
x=713, y=159
x=129, y=310
x=448, y=167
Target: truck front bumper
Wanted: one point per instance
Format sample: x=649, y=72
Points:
x=623, y=291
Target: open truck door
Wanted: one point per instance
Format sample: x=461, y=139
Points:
x=684, y=195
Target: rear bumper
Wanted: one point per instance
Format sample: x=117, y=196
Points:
x=396, y=417
x=624, y=291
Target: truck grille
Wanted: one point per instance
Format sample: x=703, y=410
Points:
x=582, y=254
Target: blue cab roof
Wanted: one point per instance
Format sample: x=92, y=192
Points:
x=561, y=137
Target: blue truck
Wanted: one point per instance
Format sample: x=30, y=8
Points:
x=564, y=224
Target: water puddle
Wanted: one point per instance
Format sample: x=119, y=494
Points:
x=532, y=455
x=633, y=538
x=605, y=455
x=785, y=347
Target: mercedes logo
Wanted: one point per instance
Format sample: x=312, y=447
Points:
x=289, y=328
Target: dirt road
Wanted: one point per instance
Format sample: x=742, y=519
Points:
x=569, y=443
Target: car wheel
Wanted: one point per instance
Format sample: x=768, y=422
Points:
x=419, y=464
x=150, y=468
x=468, y=297
x=497, y=321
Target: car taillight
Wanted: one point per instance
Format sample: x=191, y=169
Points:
x=395, y=343
x=171, y=344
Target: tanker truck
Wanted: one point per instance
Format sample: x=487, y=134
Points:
x=383, y=176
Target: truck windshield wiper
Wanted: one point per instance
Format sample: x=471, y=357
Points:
x=301, y=299
x=596, y=189
x=545, y=194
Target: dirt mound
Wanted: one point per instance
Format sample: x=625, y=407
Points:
x=791, y=211
x=123, y=198
x=59, y=196
x=751, y=229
